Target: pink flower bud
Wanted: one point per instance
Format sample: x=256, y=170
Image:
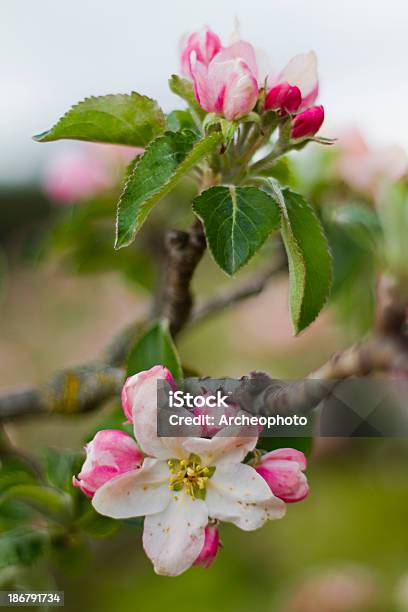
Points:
x=210, y=547
x=204, y=43
x=283, y=469
x=283, y=97
x=228, y=86
x=133, y=384
x=308, y=122
x=112, y=452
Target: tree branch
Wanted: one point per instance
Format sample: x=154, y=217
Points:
x=69, y=392
x=185, y=250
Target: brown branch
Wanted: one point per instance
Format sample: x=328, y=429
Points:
x=69, y=392
x=185, y=250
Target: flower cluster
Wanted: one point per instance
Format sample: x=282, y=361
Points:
x=227, y=81
x=185, y=486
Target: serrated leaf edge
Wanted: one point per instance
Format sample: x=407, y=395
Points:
x=40, y=137
x=229, y=187
x=164, y=189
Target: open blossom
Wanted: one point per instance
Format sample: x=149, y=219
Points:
x=110, y=453
x=210, y=547
x=228, y=85
x=183, y=482
x=204, y=43
x=308, y=122
x=283, y=470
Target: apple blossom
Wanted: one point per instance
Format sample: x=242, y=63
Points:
x=283, y=469
x=210, y=547
x=183, y=482
x=228, y=86
x=110, y=453
x=308, y=122
x=204, y=43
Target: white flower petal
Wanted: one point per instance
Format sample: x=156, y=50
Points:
x=237, y=494
x=145, y=422
x=224, y=447
x=173, y=539
x=136, y=493
x=301, y=71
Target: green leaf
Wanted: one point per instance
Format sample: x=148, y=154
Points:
x=310, y=266
x=128, y=119
x=280, y=170
x=155, y=347
x=44, y=499
x=61, y=466
x=181, y=120
x=22, y=545
x=185, y=90
x=237, y=222
x=164, y=163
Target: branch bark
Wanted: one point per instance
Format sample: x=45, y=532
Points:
x=185, y=250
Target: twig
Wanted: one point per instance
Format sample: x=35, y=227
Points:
x=69, y=392
x=227, y=298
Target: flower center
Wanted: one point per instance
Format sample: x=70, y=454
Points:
x=191, y=475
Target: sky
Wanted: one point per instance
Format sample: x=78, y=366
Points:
x=54, y=53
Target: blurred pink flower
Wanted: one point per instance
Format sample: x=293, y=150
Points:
x=87, y=172
x=345, y=589
x=366, y=168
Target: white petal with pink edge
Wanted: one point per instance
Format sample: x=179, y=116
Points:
x=301, y=71
x=137, y=493
x=237, y=494
x=144, y=415
x=174, y=538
